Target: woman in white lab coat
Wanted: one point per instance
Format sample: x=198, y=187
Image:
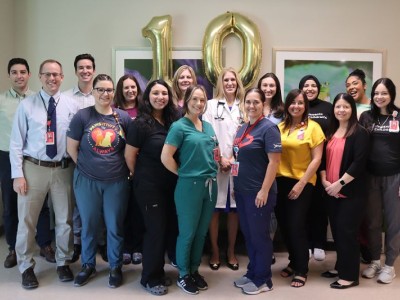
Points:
x=225, y=114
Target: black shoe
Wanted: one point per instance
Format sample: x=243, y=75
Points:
x=29, y=280
x=103, y=252
x=48, y=253
x=77, y=253
x=187, y=285
x=214, y=266
x=84, y=275
x=329, y=274
x=337, y=285
x=273, y=261
x=11, y=260
x=115, y=277
x=199, y=281
x=65, y=274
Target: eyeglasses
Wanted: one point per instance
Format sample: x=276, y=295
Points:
x=48, y=75
x=103, y=90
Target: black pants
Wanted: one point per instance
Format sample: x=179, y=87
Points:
x=157, y=206
x=291, y=216
x=317, y=219
x=345, y=216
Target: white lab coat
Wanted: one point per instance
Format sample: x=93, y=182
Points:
x=226, y=131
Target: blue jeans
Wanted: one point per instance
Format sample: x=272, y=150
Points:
x=94, y=199
x=254, y=223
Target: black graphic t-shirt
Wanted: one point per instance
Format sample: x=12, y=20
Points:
x=384, y=156
x=102, y=143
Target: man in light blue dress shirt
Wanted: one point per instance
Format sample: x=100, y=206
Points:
x=36, y=174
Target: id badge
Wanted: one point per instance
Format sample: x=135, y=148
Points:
x=49, y=139
x=300, y=134
x=394, y=126
x=235, y=168
x=217, y=154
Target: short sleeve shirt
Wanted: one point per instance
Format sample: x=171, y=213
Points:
x=150, y=141
x=195, y=148
x=102, y=143
x=252, y=155
x=296, y=149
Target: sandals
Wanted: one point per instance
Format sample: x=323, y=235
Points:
x=157, y=290
x=287, y=272
x=298, y=280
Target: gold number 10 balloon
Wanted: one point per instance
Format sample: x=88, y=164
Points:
x=158, y=31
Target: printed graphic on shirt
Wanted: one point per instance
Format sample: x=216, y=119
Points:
x=103, y=138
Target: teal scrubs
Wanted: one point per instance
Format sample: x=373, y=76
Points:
x=196, y=190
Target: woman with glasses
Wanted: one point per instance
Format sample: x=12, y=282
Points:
x=96, y=143
x=225, y=114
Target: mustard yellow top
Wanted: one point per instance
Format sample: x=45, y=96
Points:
x=296, y=149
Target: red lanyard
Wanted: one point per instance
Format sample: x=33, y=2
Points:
x=249, y=129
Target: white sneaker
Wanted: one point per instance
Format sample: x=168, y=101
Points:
x=373, y=269
x=319, y=254
x=251, y=289
x=387, y=274
x=309, y=253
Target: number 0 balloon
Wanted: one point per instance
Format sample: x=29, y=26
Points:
x=248, y=33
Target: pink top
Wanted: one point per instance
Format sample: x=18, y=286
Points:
x=334, y=155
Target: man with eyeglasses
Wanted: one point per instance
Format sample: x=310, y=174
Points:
x=18, y=73
x=85, y=69
x=40, y=165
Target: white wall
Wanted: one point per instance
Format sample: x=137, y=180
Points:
x=57, y=29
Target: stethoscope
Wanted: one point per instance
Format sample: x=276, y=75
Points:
x=220, y=112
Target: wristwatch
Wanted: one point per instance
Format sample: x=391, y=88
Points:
x=341, y=181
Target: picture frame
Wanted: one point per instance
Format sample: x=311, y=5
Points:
x=330, y=66
x=138, y=62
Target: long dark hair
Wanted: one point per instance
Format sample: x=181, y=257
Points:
x=388, y=83
x=119, y=98
x=145, y=110
x=276, y=102
x=353, y=121
x=288, y=101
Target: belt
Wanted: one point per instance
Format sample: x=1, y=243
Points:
x=43, y=163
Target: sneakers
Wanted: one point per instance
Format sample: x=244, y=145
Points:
x=319, y=254
x=199, y=281
x=115, y=277
x=187, y=285
x=11, y=260
x=84, y=275
x=251, y=289
x=387, y=274
x=241, y=282
x=48, y=253
x=136, y=258
x=29, y=280
x=373, y=269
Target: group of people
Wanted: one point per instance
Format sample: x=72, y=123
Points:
x=140, y=174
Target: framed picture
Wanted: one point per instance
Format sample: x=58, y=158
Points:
x=330, y=66
x=139, y=63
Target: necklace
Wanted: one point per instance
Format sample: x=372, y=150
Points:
x=379, y=122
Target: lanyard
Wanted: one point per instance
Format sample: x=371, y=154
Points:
x=249, y=129
x=49, y=115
